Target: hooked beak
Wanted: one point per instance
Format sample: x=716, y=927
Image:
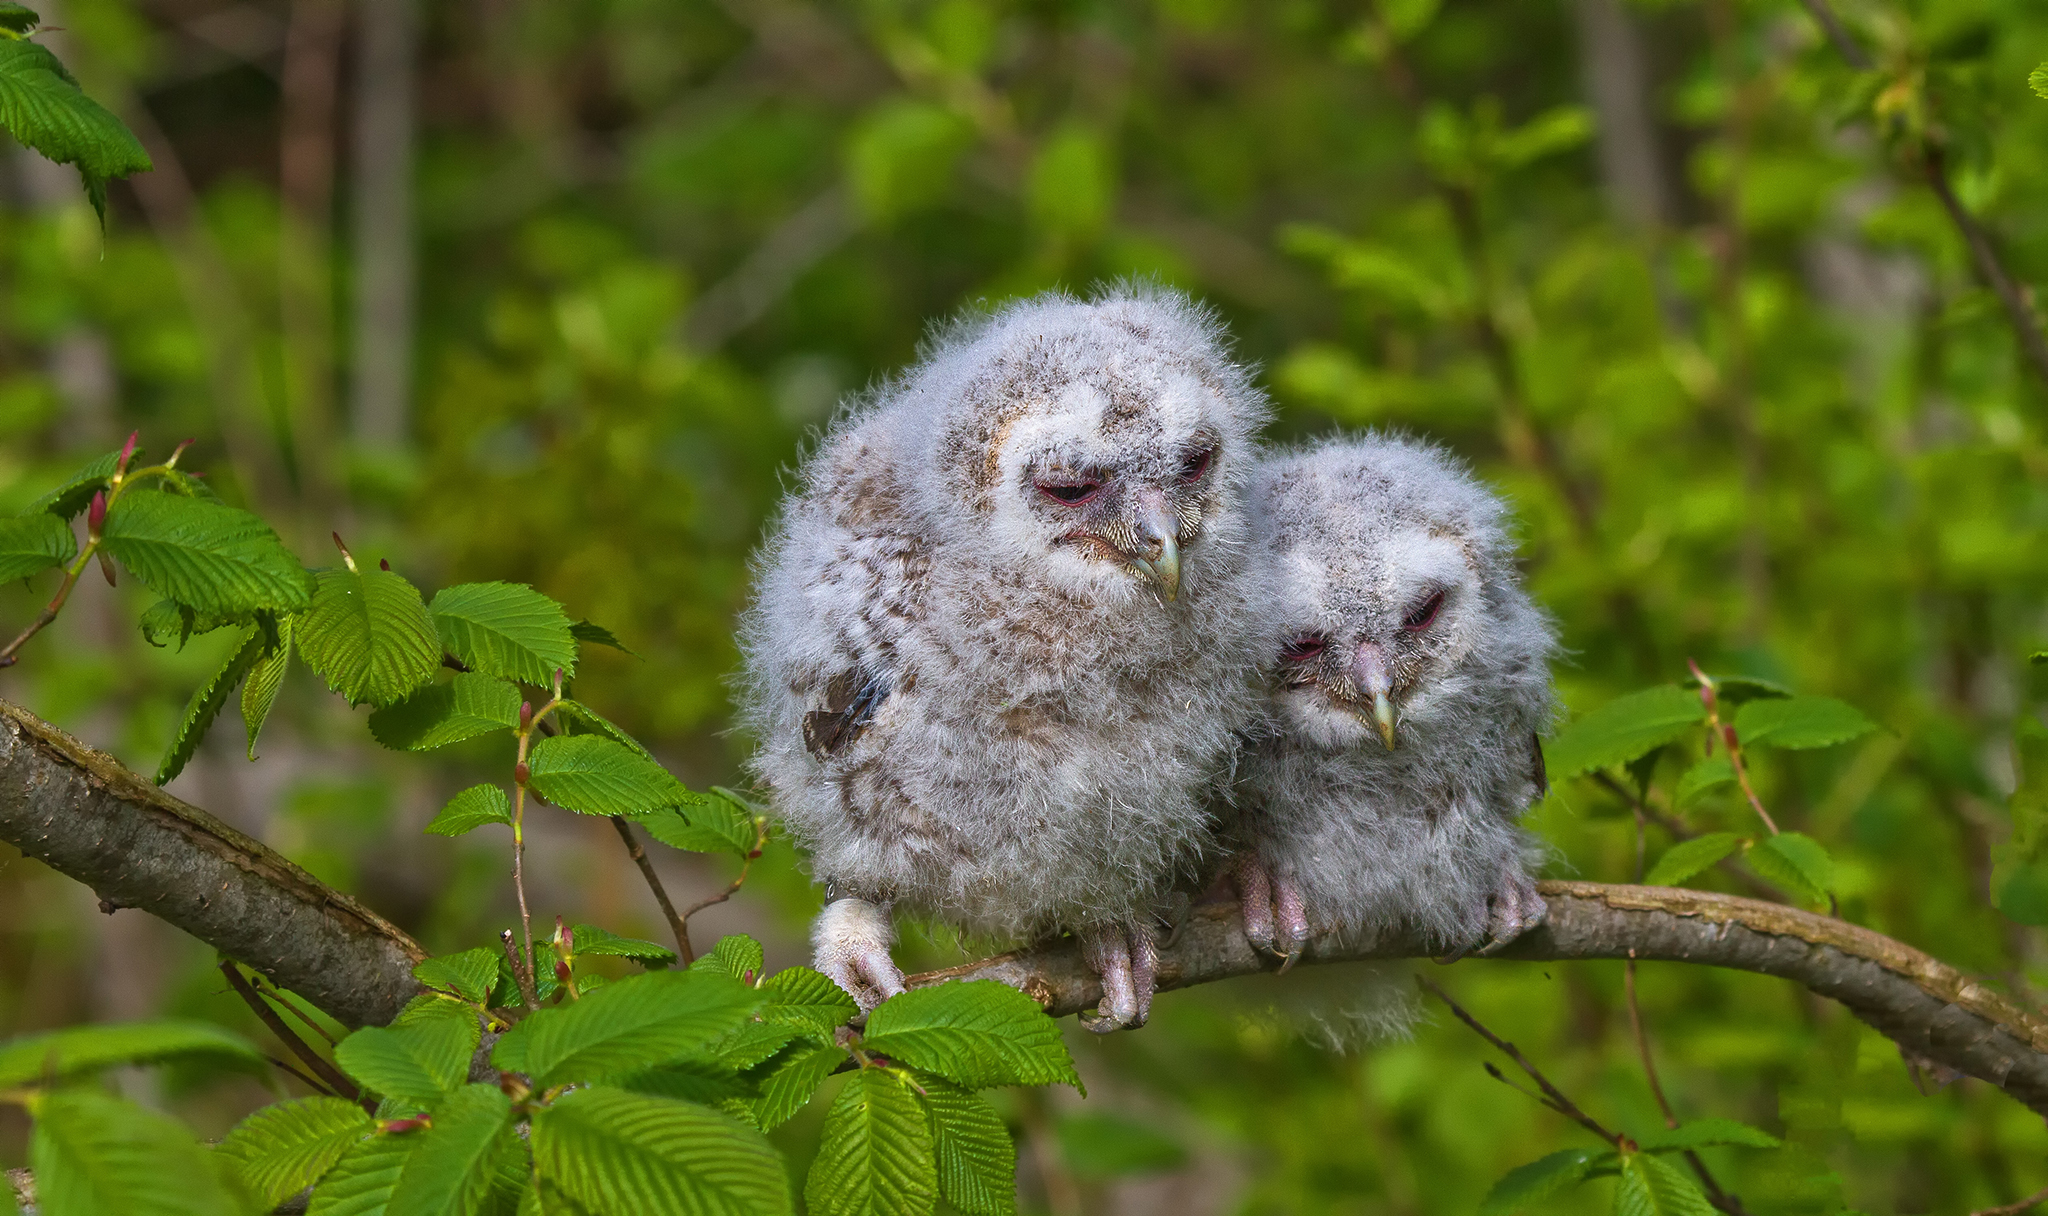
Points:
x=1156, y=554
x=1369, y=673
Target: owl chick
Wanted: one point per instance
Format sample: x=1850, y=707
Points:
x=1003, y=636
x=1410, y=680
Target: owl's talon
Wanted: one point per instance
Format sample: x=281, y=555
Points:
x=1275, y=915
x=1512, y=910
x=850, y=942
x=1128, y=961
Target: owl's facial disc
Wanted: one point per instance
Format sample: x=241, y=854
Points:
x=1137, y=515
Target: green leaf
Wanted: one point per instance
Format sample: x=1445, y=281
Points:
x=451, y=1172
x=57, y=1055
x=625, y=1026
x=978, y=1033
x=1706, y=1133
x=420, y=1057
x=579, y=719
x=702, y=1081
x=737, y=955
x=753, y=1043
x=259, y=691
x=283, y=1149
x=470, y=975
x=167, y=619
x=598, y=635
x=977, y=1160
x=1734, y=690
x=215, y=559
x=472, y=808
x=41, y=106
x=505, y=629
x=2037, y=80
x=207, y=701
x=1539, y=1180
x=96, y=1155
x=19, y=19
x=439, y=714
x=1687, y=858
x=1623, y=729
x=875, y=1158
x=803, y=997
x=369, y=635
x=713, y=825
x=1109, y=1145
x=75, y=494
x=1796, y=861
x=794, y=1076
x=1800, y=722
x=1651, y=1186
x=360, y=1184
x=1710, y=773
x=595, y=776
x=31, y=543
x=592, y=940
x=617, y=1152
x=1553, y=131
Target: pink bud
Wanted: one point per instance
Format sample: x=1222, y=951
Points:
x=127, y=450
x=1728, y=737
x=526, y=715
x=96, y=514
x=561, y=973
x=384, y=564
x=522, y=773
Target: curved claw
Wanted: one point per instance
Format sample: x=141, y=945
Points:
x=1275, y=915
x=850, y=942
x=1512, y=910
x=1128, y=961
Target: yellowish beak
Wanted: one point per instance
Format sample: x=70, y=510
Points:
x=1157, y=552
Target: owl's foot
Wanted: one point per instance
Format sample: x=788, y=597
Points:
x=1513, y=909
x=850, y=941
x=1275, y=917
x=1128, y=962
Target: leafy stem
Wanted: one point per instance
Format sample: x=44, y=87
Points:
x=1721, y=1199
x=1725, y=731
x=731, y=888
x=1552, y=1096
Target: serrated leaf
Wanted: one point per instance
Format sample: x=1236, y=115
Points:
x=215, y=559
x=60, y=1054
x=439, y=714
x=1796, y=861
x=579, y=719
x=710, y=825
x=803, y=997
x=1706, y=1133
x=595, y=776
x=1539, y=1180
x=178, y=481
x=266, y=678
x=505, y=629
x=32, y=543
x=472, y=808
x=702, y=1081
x=1623, y=729
x=1710, y=773
x=94, y=1155
x=2037, y=80
x=470, y=975
x=598, y=635
x=1651, y=1186
x=506, y=995
x=1800, y=722
x=283, y=1149
x=1734, y=690
x=875, y=1157
x=207, y=701
x=592, y=940
x=626, y=1026
x=977, y=1160
x=614, y=1151
x=451, y=1171
x=369, y=635
x=18, y=19
x=794, y=1075
x=736, y=955
x=75, y=493
x=978, y=1033
x=1687, y=858
x=418, y=1058
x=167, y=620
x=753, y=1043
x=42, y=107
x=360, y=1184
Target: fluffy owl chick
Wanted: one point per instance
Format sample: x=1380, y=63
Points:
x=1410, y=680
x=1003, y=636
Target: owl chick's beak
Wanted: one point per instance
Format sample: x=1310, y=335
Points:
x=1155, y=551
x=1369, y=673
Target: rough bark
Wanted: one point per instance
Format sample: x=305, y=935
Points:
x=80, y=812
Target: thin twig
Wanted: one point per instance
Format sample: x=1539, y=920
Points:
x=523, y=973
x=322, y=1068
x=50, y=611
x=638, y=853
x=277, y=994
x=1721, y=1199
x=1558, y=1102
x=2014, y=1209
x=1845, y=46
x=760, y=841
x=1678, y=831
x=309, y=1082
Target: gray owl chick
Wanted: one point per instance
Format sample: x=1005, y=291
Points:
x=1410, y=680
x=1003, y=636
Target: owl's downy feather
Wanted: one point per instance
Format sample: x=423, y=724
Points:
x=1397, y=612
x=976, y=690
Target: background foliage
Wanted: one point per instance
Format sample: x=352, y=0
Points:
x=1736, y=372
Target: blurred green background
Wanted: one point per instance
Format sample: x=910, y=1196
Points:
x=555, y=290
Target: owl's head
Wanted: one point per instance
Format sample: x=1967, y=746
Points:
x=1101, y=445
x=1388, y=564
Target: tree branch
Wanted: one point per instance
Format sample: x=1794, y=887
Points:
x=80, y=812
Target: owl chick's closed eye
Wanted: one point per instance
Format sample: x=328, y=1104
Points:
x=1409, y=681
x=1003, y=637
